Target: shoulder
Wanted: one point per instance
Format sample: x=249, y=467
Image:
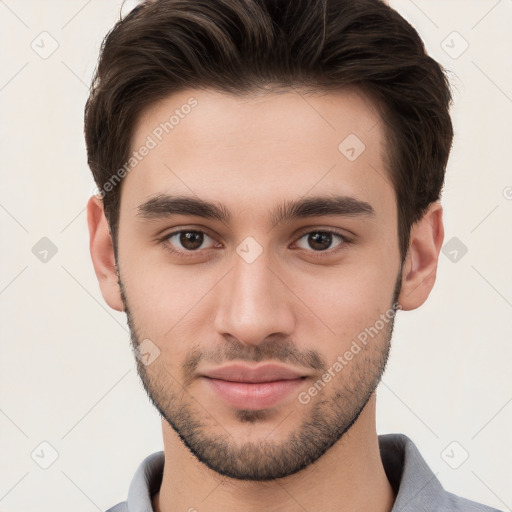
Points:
x=145, y=483
x=458, y=504
x=415, y=485
x=120, y=507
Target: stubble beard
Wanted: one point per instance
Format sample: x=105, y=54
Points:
x=333, y=411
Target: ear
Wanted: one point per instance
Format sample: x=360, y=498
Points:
x=102, y=253
x=420, y=265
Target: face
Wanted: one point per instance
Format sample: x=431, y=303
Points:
x=259, y=231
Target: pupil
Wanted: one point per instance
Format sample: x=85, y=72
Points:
x=191, y=239
x=319, y=241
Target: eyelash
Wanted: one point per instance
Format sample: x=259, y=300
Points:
x=345, y=241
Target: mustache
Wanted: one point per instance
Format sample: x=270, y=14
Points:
x=281, y=350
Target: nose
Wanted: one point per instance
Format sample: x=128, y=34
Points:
x=254, y=302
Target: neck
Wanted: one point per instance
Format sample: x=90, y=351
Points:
x=348, y=477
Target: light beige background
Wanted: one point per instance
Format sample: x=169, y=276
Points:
x=67, y=375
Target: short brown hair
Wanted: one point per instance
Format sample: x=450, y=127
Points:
x=240, y=46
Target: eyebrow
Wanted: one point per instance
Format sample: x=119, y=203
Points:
x=162, y=206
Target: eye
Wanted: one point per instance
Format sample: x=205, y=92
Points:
x=321, y=241
x=187, y=240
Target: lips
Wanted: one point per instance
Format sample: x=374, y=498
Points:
x=253, y=388
x=263, y=373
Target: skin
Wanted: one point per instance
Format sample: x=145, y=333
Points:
x=249, y=154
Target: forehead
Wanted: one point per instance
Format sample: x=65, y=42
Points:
x=257, y=149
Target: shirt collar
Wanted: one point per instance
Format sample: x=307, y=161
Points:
x=415, y=486
x=145, y=483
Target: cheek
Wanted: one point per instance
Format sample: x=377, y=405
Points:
x=346, y=302
x=167, y=305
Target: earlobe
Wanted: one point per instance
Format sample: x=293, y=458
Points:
x=420, y=266
x=102, y=254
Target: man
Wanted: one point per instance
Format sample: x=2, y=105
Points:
x=269, y=177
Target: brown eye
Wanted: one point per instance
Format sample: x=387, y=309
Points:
x=186, y=240
x=320, y=240
x=191, y=240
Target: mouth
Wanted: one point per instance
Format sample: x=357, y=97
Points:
x=253, y=388
x=256, y=374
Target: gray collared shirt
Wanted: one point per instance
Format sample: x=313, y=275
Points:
x=416, y=488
